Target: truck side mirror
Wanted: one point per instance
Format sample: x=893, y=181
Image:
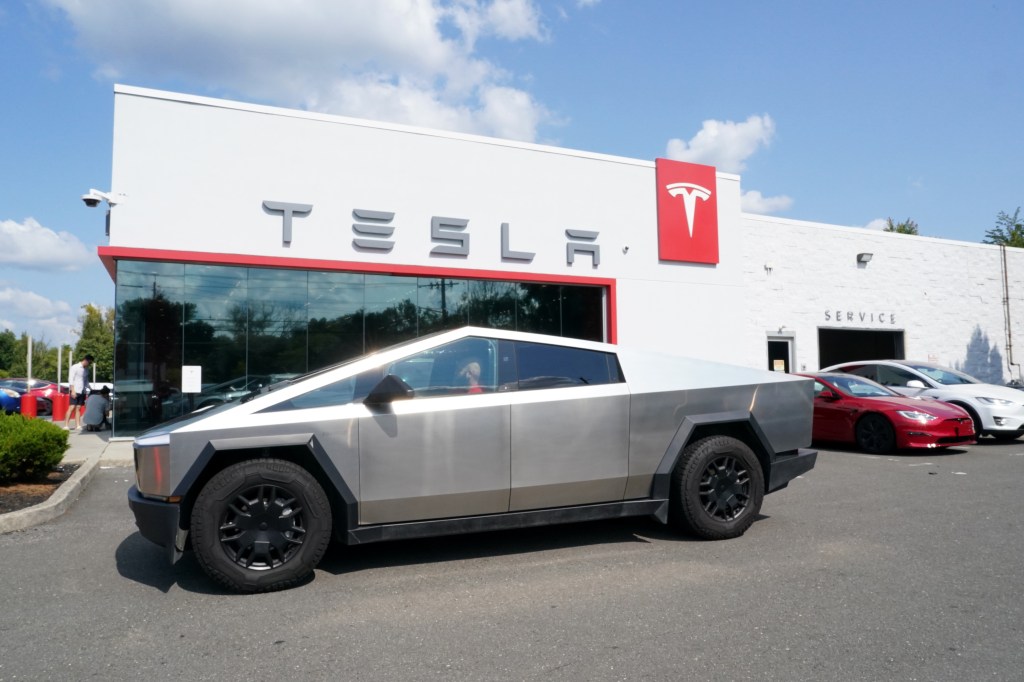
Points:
x=389, y=389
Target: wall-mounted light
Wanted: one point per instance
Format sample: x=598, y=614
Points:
x=864, y=258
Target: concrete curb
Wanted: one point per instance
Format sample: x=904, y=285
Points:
x=58, y=502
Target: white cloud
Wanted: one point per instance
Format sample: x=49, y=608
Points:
x=511, y=112
x=586, y=3
x=43, y=318
x=877, y=224
x=724, y=144
x=754, y=202
x=30, y=304
x=30, y=245
x=407, y=61
x=514, y=19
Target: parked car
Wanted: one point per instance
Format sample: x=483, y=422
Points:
x=466, y=431
x=10, y=401
x=851, y=409
x=42, y=390
x=236, y=388
x=997, y=411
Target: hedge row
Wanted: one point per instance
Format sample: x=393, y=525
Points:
x=29, y=448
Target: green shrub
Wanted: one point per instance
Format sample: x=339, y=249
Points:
x=29, y=448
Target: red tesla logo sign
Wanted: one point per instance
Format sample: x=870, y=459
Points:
x=687, y=212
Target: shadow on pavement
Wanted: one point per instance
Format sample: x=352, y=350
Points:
x=141, y=561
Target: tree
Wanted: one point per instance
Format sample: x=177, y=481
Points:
x=907, y=226
x=1009, y=230
x=97, y=340
x=44, y=359
x=8, y=342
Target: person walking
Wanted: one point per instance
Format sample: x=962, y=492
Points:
x=78, y=382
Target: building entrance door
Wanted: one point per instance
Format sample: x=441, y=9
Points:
x=780, y=354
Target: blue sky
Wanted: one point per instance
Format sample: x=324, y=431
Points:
x=837, y=112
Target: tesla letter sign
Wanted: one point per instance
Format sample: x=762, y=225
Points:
x=687, y=212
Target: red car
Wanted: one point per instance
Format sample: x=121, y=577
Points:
x=852, y=409
x=40, y=388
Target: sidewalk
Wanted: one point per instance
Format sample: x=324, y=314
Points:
x=90, y=450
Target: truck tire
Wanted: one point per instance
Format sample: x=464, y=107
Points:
x=261, y=525
x=717, y=488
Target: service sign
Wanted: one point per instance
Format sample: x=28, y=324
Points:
x=687, y=212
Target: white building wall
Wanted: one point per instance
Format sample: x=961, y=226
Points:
x=946, y=296
x=196, y=172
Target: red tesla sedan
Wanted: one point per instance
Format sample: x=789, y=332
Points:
x=40, y=388
x=852, y=409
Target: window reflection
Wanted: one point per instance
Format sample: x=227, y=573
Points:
x=244, y=326
x=335, y=326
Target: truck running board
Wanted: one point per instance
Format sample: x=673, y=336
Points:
x=508, y=521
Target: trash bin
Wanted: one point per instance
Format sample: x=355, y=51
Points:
x=60, y=401
x=28, y=405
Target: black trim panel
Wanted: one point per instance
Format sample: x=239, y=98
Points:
x=157, y=522
x=663, y=475
x=508, y=521
x=786, y=467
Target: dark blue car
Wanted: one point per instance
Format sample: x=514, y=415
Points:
x=10, y=401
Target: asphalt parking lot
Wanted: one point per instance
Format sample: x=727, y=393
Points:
x=906, y=567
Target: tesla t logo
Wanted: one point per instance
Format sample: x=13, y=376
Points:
x=690, y=193
x=687, y=212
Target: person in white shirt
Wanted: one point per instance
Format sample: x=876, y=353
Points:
x=78, y=381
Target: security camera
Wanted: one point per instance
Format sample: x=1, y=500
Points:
x=93, y=198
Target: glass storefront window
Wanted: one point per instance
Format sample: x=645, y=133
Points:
x=277, y=339
x=149, y=304
x=250, y=326
x=335, y=322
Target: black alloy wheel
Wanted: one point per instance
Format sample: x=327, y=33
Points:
x=262, y=528
x=979, y=431
x=261, y=525
x=725, y=488
x=717, y=488
x=875, y=434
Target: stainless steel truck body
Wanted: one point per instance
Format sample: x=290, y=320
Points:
x=464, y=431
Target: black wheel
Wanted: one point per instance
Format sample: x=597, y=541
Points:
x=978, y=430
x=717, y=488
x=875, y=434
x=261, y=525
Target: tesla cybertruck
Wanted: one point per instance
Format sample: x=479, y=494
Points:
x=466, y=431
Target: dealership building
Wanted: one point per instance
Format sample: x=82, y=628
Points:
x=249, y=242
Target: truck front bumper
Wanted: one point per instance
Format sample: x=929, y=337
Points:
x=159, y=522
